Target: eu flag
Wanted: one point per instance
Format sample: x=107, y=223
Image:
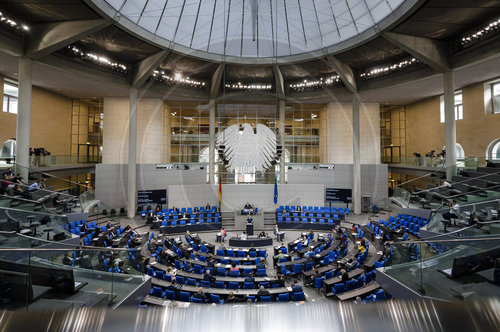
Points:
x=275, y=190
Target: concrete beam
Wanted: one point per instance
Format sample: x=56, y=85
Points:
x=345, y=72
x=144, y=68
x=48, y=38
x=216, y=80
x=11, y=46
x=432, y=52
x=280, y=84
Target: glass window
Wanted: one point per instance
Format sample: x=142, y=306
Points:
x=493, y=153
x=495, y=91
x=10, y=92
x=459, y=110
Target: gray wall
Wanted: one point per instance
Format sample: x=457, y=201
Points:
x=189, y=188
x=373, y=179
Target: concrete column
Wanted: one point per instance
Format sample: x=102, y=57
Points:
x=450, y=124
x=23, y=127
x=211, y=146
x=356, y=159
x=282, y=140
x=132, y=155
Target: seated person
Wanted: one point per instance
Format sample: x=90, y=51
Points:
x=34, y=186
x=296, y=288
x=263, y=292
x=201, y=295
x=67, y=260
x=234, y=268
x=243, y=235
x=261, y=265
x=222, y=247
x=207, y=207
x=173, y=287
x=233, y=299
x=278, y=281
x=362, y=247
x=343, y=275
x=317, y=275
x=251, y=247
x=309, y=252
x=250, y=278
x=454, y=211
x=353, y=229
x=262, y=234
x=280, y=255
x=208, y=277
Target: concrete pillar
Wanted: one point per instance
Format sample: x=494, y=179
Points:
x=282, y=140
x=356, y=159
x=450, y=124
x=211, y=146
x=132, y=155
x=24, y=117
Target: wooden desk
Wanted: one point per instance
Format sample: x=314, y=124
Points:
x=329, y=283
x=351, y=295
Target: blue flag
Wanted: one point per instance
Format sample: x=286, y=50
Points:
x=275, y=190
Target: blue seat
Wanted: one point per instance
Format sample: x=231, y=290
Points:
x=309, y=266
x=159, y=274
x=221, y=271
x=180, y=280
x=196, y=300
x=266, y=299
x=230, y=253
x=197, y=269
x=215, y=299
x=297, y=268
x=251, y=298
x=360, y=281
x=368, y=277
x=191, y=282
x=252, y=254
x=234, y=273
x=318, y=283
x=184, y=296
x=329, y=274
x=233, y=285
x=169, y=295
x=283, y=297
x=284, y=271
x=205, y=283
x=241, y=253
x=156, y=291
x=262, y=253
x=350, y=285
x=299, y=296
x=219, y=284
x=261, y=273
x=338, y=289
x=248, y=285
x=247, y=271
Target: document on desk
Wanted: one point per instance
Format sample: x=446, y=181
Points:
x=289, y=288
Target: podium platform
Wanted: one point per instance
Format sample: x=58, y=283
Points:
x=256, y=241
x=240, y=221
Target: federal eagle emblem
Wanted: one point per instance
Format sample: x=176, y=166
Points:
x=247, y=150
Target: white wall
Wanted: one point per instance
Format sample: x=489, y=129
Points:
x=149, y=131
x=339, y=133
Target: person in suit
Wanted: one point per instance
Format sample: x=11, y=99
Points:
x=174, y=288
x=208, y=277
x=210, y=262
x=222, y=247
x=250, y=278
x=207, y=207
x=251, y=248
x=201, y=295
x=343, y=275
x=278, y=281
x=261, y=265
x=317, y=274
x=263, y=292
x=233, y=299
x=296, y=288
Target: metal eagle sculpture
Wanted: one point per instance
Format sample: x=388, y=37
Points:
x=247, y=151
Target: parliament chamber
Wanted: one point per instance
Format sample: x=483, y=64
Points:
x=306, y=164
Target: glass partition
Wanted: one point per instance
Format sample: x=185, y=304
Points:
x=39, y=274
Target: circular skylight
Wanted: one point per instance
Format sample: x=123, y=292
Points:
x=249, y=28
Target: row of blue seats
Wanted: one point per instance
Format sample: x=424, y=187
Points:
x=414, y=219
x=75, y=226
x=186, y=297
x=231, y=252
x=327, y=215
x=313, y=209
x=191, y=221
x=306, y=220
x=190, y=216
x=189, y=210
x=351, y=284
x=439, y=248
x=409, y=226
